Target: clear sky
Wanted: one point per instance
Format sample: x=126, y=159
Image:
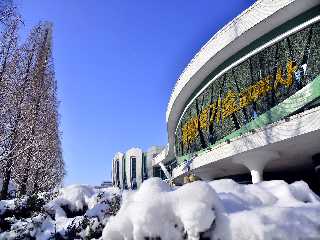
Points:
x=116, y=63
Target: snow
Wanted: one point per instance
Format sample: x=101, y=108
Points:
x=156, y=210
x=269, y=210
x=79, y=198
x=75, y=197
x=76, y=211
x=6, y=205
x=11, y=188
x=221, y=209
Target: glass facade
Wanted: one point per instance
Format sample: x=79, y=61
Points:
x=250, y=89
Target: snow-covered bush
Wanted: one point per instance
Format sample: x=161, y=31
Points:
x=221, y=209
x=157, y=210
x=74, y=212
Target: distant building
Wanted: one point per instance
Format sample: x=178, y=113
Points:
x=131, y=168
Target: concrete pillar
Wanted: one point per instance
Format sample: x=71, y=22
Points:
x=256, y=161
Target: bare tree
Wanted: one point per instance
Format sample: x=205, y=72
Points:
x=9, y=60
x=32, y=154
x=42, y=164
x=7, y=10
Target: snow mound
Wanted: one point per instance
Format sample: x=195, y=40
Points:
x=74, y=198
x=237, y=197
x=268, y=210
x=221, y=209
x=156, y=210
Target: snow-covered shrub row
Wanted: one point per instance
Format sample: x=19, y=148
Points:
x=219, y=209
x=74, y=212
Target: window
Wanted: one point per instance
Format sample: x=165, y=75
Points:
x=157, y=172
x=117, y=172
x=133, y=179
x=144, y=168
x=133, y=168
x=124, y=175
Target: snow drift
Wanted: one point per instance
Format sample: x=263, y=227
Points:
x=220, y=209
x=155, y=210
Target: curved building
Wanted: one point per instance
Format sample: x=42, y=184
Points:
x=248, y=102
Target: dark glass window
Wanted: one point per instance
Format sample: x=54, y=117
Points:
x=144, y=168
x=124, y=175
x=133, y=168
x=157, y=172
x=117, y=171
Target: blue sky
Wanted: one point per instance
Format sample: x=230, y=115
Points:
x=116, y=63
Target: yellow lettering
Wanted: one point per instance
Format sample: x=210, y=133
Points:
x=229, y=105
x=245, y=98
x=291, y=68
x=223, y=108
x=203, y=118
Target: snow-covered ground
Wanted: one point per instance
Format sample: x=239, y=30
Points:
x=219, y=209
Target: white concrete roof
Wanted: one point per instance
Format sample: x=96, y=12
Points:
x=262, y=17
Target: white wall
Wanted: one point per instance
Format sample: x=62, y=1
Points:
x=137, y=153
x=117, y=157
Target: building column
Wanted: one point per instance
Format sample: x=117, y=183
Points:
x=255, y=162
